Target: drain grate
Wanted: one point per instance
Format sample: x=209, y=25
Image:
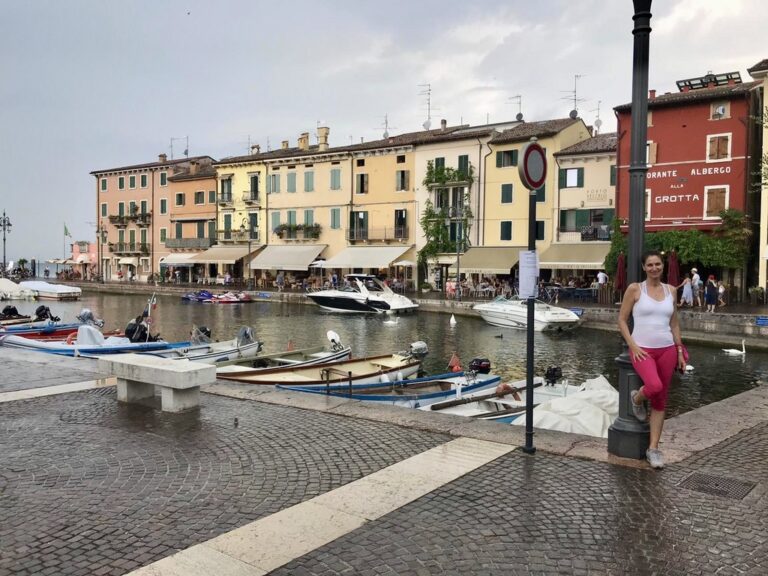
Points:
x=717, y=485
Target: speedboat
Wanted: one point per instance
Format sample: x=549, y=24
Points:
x=362, y=293
x=199, y=296
x=513, y=313
x=228, y=298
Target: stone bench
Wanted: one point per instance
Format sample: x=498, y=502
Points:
x=179, y=380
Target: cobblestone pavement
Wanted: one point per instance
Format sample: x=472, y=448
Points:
x=88, y=486
x=22, y=372
x=552, y=515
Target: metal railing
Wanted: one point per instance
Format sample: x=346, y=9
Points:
x=130, y=247
x=250, y=197
x=398, y=233
x=599, y=233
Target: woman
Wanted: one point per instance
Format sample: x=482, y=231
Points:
x=710, y=293
x=687, y=298
x=655, y=346
x=720, y=294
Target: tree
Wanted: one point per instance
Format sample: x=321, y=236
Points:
x=22, y=263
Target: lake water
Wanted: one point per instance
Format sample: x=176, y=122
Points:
x=581, y=354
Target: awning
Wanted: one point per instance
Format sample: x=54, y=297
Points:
x=488, y=259
x=406, y=263
x=129, y=261
x=584, y=256
x=287, y=257
x=223, y=254
x=366, y=257
x=178, y=259
x=83, y=259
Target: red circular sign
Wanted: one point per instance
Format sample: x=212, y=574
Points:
x=533, y=168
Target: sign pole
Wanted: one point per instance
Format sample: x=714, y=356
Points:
x=533, y=172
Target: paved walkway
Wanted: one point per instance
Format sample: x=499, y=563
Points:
x=262, y=481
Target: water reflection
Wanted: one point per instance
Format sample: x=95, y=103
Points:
x=581, y=354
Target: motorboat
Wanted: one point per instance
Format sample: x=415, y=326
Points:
x=200, y=348
x=370, y=370
x=48, y=291
x=9, y=290
x=295, y=358
x=410, y=393
x=46, y=326
x=362, y=293
x=198, y=296
x=228, y=298
x=513, y=313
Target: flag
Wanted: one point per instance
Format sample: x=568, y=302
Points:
x=66, y=231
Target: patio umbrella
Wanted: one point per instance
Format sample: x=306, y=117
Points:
x=620, y=283
x=673, y=269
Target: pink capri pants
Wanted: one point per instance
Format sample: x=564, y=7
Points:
x=656, y=372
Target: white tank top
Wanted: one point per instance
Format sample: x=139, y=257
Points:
x=651, y=318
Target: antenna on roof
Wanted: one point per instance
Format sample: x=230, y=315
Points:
x=269, y=146
x=574, y=96
x=519, y=99
x=387, y=126
x=598, y=122
x=186, y=145
x=427, y=91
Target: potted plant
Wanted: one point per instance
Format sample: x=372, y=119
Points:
x=425, y=287
x=756, y=295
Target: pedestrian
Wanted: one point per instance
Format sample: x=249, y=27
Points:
x=720, y=293
x=710, y=293
x=687, y=298
x=177, y=273
x=655, y=346
x=602, y=278
x=335, y=280
x=280, y=281
x=46, y=272
x=696, y=285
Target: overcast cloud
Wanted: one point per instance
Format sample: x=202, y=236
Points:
x=93, y=84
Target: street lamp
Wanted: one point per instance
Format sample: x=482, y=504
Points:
x=243, y=230
x=101, y=238
x=5, y=224
x=456, y=214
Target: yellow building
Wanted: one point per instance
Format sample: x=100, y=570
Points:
x=760, y=72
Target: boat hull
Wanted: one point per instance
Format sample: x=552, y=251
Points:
x=514, y=314
x=293, y=358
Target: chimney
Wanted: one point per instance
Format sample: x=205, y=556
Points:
x=255, y=149
x=162, y=158
x=443, y=124
x=304, y=141
x=284, y=145
x=193, y=166
x=322, y=138
x=651, y=94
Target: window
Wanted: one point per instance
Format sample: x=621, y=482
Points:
x=401, y=159
x=254, y=180
x=571, y=177
x=715, y=201
x=227, y=226
x=275, y=220
x=358, y=225
x=121, y=236
x=539, y=229
x=613, y=175
x=163, y=206
x=163, y=234
x=309, y=217
x=163, y=178
x=506, y=230
x=121, y=208
x=211, y=196
x=180, y=199
x=290, y=182
x=212, y=229
x=401, y=180
x=464, y=164
x=720, y=110
x=226, y=190
x=253, y=222
x=103, y=182
x=179, y=233
x=505, y=158
x=309, y=181
x=718, y=147
x=200, y=197
x=144, y=207
x=291, y=232
x=360, y=162
x=121, y=183
x=131, y=181
x=143, y=237
x=132, y=237
x=401, y=224
x=541, y=193
x=103, y=210
x=132, y=208
x=361, y=184
x=506, y=193
x=200, y=229
x=335, y=218
x=143, y=180
x=439, y=162
x=273, y=184
x=336, y=179
x=650, y=152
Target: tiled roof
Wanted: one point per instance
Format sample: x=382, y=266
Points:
x=152, y=165
x=600, y=143
x=701, y=95
x=761, y=66
x=526, y=130
x=203, y=173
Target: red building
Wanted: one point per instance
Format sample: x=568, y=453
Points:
x=700, y=143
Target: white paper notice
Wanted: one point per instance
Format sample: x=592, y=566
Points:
x=529, y=274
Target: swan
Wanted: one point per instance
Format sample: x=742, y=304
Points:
x=734, y=351
x=392, y=322
x=452, y=321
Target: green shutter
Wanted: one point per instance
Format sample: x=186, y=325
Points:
x=103, y=210
x=506, y=193
x=499, y=159
x=562, y=178
x=582, y=218
x=309, y=217
x=178, y=230
x=613, y=175
x=163, y=206
x=608, y=215
x=211, y=229
x=506, y=230
x=163, y=234
x=464, y=164
x=580, y=177
x=440, y=162
x=121, y=209
x=309, y=181
x=514, y=157
x=275, y=220
x=290, y=184
x=201, y=229
x=292, y=217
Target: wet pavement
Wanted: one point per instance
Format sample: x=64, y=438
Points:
x=90, y=486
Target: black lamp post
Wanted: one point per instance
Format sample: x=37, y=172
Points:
x=101, y=238
x=627, y=437
x=243, y=231
x=5, y=224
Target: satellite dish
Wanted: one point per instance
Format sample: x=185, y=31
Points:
x=519, y=117
x=598, y=122
x=427, y=124
x=333, y=338
x=385, y=135
x=573, y=114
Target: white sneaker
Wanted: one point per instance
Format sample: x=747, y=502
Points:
x=655, y=458
x=639, y=410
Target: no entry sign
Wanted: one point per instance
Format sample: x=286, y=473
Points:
x=533, y=168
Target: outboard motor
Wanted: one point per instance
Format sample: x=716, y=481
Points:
x=87, y=317
x=200, y=335
x=205, y=331
x=480, y=365
x=552, y=375
x=418, y=349
x=245, y=336
x=44, y=313
x=10, y=311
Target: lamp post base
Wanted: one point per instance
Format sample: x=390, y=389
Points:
x=627, y=436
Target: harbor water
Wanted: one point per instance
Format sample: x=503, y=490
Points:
x=582, y=353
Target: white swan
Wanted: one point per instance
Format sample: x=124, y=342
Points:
x=392, y=322
x=734, y=351
x=452, y=321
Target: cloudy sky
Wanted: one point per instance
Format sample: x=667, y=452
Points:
x=93, y=84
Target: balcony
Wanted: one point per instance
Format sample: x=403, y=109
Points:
x=235, y=235
x=589, y=233
x=300, y=232
x=390, y=234
x=142, y=219
x=119, y=220
x=129, y=248
x=252, y=198
x=225, y=199
x=199, y=243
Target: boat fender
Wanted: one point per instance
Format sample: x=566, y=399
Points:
x=71, y=338
x=384, y=378
x=456, y=368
